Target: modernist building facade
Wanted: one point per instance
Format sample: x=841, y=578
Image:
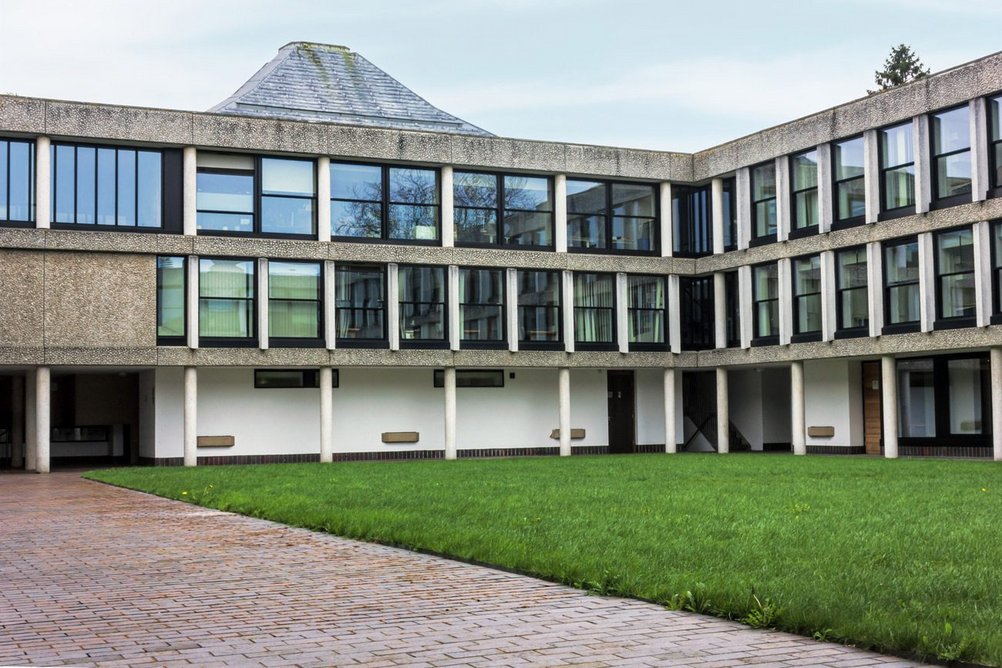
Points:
x=325, y=267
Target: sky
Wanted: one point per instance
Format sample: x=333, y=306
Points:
x=668, y=74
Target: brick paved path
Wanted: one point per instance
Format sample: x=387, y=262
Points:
x=94, y=575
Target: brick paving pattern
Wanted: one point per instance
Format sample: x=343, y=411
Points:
x=94, y=575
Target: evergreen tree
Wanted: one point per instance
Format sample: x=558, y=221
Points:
x=900, y=67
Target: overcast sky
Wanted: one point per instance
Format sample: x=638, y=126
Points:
x=676, y=75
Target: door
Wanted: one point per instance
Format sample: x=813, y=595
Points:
x=622, y=412
x=872, y=420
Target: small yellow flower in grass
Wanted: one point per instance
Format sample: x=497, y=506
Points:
x=184, y=493
x=984, y=489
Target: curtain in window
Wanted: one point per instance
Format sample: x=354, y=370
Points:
x=226, y=304
x=594, y=303
x=293, y=300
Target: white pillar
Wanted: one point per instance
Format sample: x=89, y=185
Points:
x=448, y=207
x=784, y=274
x=783, y=214
x=871, y=175
x=742, y=193
x=560, y=213
x=393, y=306
x=324, y=198
x=927, y=281
x=719, y=310
x=190, y=416
x=564, y=397
x=797, y=417
x=330, y=304
x=452, y=304
x=979, y=149
x=923, y=167
x=667, y=229
x=671, y=446
x=567, y=309
x=674, y=314
x=996, y=371
x=43, y=183
x=717, y=214
x=191, y=288
x=30, y=423
x=326, y=414
x=449, y=383
x=825, y=204
x=622, y=313
x=43, y=407
x=262, y=303
x=875, y=286
x=745, y=305
x=889, y=405
x=17, y=424
x=828, y=310
x=983, y=272
x=511, y=308
x=189, y=189
x=723, y=413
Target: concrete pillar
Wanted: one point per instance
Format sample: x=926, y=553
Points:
x=564, y=397
x=719, y=310
x=828, y=310
x=742, y=193
x=871, y=175
x=326, y=414
x=190, y=416
x=674, y=314
x=393, y=306
x=927, y=281
x=979, y=149
x=17, y=423
x=452, y=305
x=923, y=166
x=784, y=274
x=875, y=286
x=560, y=213
x=784, y=218
x=825, y=189
x=671, y=447
x=996, y=364
x=567, y=309
x=191, y=306
x=43, y=408
x=189, y=190
x=747, y=324
x=43, y=183
x=889, y=405
x=797, y=409
x=330, y=304
x=983, y=272
x=30, y=423
x=723, y=413
x=324, y=199
x=622, y=313
x=262, y=303
x=717, y=214
x=511, y=308
x=448, y=207
x=449, y=383
x=667, y=230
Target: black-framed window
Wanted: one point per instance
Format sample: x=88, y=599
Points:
x=171, y=300
x=956, y=303
x=897, y=169
x=288, y=196
x=594, y=310
x=17, y=181
x=383, y=202
x=691, y=219
x=951, y=155
x=481, y=307
x=806, y=298
x=471, y=378
x=901, y=285
x=646, y=311
x=732, y=310
x=273, y=379
x=422, y=298
x=696, y=312
x=995, y=141
x=763, y=210
x=107, y=186
x=620, y=217
x=295, y=303
x=226, y=308
x=996, y=232
x=730, y=214
x=804, y=193
x=944, y=400
x=765, y=303
x=852, y=306
x=848, y=183
x=360, y=305
x=539, y=322
x=503, y=209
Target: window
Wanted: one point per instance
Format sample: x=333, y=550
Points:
x=730, y=214
x=997, y=270
x=538, y=308
x=269, y=379
x=692, y=233
x=851, y=297
x=955, y=297
x=422, y=305
x=226, y=300
x=849, y=184
x=171, y=299
x=696, y=311
x=295, y=299
x=916, y=398
x=646, y=311
x=595, y=309
x=901, y=286
x=763, y=188
x=360, y=313
x=97, y=185
x=807, y=298
x=17, y=181
x=765, y=298
x=897, y=169
x=381, y=202
x=612, y=216
x=944, y=401
x=481, y=307
x=522, y=204
x=951, y=155
x=995, y=140
x=804, y=181
x=471, y=378
x=732, y=310
x=288, y=196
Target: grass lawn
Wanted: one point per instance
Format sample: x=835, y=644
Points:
x=901, y=556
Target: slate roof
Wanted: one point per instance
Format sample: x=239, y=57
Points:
x=325, y=82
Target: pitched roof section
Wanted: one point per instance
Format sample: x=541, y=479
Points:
x=325, y=82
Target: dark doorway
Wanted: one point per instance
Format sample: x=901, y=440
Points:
x=872, y=420
x=622, y=412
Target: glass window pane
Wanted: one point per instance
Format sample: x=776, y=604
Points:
x=360, y=307
x=805, y=209
x=967, y=377
x=226, y=278
x=586, y=197
x=356, y=219
x=475, y=190
x=126, y=188
x=287, y=215
x=850, y=199
x=586, y=231
x=855, y=308
x=901, y=262
x=633, y=234
x=22, y=178
x=805, y=170
x=849, y=159
x=916, y=399
x=646, y=295
x=358, y=182
x=150, y=180
x=766, y=283
x=225, y=192
x=293, y=319
x=763, y=181
x=226, y=222
x=958, y=297
x=525, y=228
x=293, y=280
x=4, y=147
x=413, y=186
x=527, y=193
x=107, y=185
x=64, y=190
x=809, y=314
x=422, y=303
x=903, y=304
x=953, y=175
x=899, y=187
x=852, y=268
x=807, y=275
x=86, y=185
x=951, y=130
x=765, y=218
x=410, y=222
x=955, y=251
x=633, y=199
x=287, y=177
x=896, y=146
x=476, y=226
x=481, y=308
x=539, y=306
x=170, y=296
x=226, y=298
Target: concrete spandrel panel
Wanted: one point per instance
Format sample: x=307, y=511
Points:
x=21, y=309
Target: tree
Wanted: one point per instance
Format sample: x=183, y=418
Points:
x=900, y=67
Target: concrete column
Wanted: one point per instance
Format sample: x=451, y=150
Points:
x=667, y=229
x=871, y=175
x=448, y=207
x=828, y=312
x=674, y=314
x=825, y=195
x=622, y=313
x=875, y=286
x=719, y=310
x=191, y=306
x=797, y=410
x=927, y=281
x=567, y=309
x=560, y=213
x=393, y=306
x=43, y=408
x=17, y=423
x=30, y=423
x=190, y=416
x=745, y=305
x=723, y=413
x=564, y=398
x=923, y=167
x=784, y=274
x=330, y=304
x=511, y=308
x=983, y=272
x=671, y=447
x=452, y=304
x=449, y=383
x=979, y=149
x=324, y=198
x=996, y=364
x=43, y=183
x=889, y=405
x=742, y=193
x=717, y=214
x=326, y=381
x=189, y=190
x=783, y=214
x=262, y=303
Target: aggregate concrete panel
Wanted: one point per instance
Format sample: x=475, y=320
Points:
x=113, y=122
x=100, y=356
x=22, y=308
x=21, y=355
x=537, y=155
x=659, y=165
x=175, y=244
x=22, y=114
x=349, y=142
x=593, y=160
x=101, y=240
x=383, y=253
x=248, y=357
x=386, y=357
x=504, y=257
x=258, y=134
x=425, y=147
x=483, y=152
x=27, y=237
x=258, y=247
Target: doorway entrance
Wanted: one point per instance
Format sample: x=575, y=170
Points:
x=873, y=430
x=622, y=411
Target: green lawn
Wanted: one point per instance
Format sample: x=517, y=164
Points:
x=900, y=556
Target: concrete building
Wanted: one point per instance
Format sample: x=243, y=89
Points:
x=326, y=267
